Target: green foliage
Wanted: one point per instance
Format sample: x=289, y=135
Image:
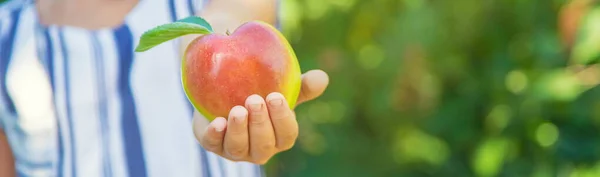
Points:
x=587, y=49
x=446, y=88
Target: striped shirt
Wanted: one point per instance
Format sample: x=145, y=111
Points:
x=77, y=102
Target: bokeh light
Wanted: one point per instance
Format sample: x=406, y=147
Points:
x=546, y=134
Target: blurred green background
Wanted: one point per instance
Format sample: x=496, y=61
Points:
x=452, y=88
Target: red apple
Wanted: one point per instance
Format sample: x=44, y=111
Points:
x=219, y=71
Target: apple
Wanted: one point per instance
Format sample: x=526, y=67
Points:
x=219, y=71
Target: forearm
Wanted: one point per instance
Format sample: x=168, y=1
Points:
x=7, y=163
x=229, y=14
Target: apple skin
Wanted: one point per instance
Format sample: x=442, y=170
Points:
x=220, y=71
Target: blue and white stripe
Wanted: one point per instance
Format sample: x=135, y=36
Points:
x=75, y=102
x=8, y=43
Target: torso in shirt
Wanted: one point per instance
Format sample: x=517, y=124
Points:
x=79, y=102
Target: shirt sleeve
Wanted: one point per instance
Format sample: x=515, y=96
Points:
x=1, y=120
x=4, y=18
x=9, y=13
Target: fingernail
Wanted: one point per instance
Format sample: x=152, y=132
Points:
x=275, y=99
x=239, y=114
x=219, y=124
x=219, y=128
x=255, y=103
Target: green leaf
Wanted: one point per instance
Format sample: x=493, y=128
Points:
x=198, y=21
x=166, y=32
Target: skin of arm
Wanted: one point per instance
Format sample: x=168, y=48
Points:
x=7, y=162
x=229, y=14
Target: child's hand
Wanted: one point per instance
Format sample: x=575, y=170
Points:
x=262, y=127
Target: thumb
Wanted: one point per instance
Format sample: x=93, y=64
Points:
x=314, y=83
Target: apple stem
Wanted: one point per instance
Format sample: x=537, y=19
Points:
x=227, y=32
